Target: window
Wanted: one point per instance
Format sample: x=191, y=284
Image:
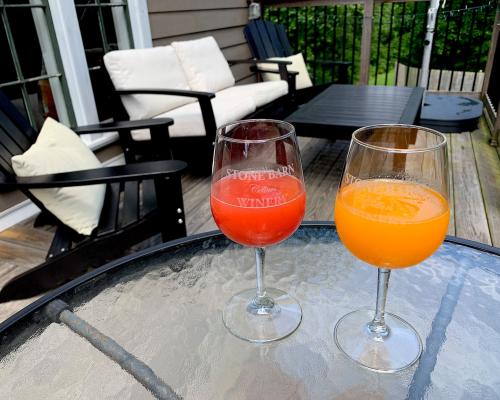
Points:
x=50, y=69
x=30, y=77
x=105, y=26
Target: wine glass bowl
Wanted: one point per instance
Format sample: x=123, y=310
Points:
x=392, y=212
x=257, y=200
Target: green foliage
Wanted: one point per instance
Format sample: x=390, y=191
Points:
x=461, y=40
x=323, y=33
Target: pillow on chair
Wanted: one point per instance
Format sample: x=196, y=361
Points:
x=59, y=149
x=302, y=80
x=153, y=68
x=204, y=64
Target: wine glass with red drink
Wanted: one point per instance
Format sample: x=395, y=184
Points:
x=258, y=199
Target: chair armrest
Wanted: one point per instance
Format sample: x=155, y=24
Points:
x=123, y=125
x=204, y=98
x=343, y=67
x=269, y=71
x=330, y=62
x=282, y=70
x=254, y=61
x=171, y=92
x=121, y=173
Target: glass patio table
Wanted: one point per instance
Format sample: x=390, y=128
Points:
x=164, y=305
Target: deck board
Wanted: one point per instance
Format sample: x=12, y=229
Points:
x=470, y=214
x=451, y=200
x=487, y=160
x=475, y=199
x=322, y=180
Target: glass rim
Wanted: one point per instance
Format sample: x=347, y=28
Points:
x=288, y=125
x=402, y=151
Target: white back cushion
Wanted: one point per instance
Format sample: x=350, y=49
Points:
x=204, y=64
x=302, y=80
x=59, y=149
x=153, y=68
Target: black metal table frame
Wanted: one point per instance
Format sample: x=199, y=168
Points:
x=37, y=305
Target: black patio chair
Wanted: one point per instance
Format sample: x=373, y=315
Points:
x=142, y=200
x=267, y=39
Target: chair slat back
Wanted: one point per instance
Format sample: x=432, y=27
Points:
x=257, y=35
x=267, y=39
x=283, y=38
x=16, y=134
x=273, y=38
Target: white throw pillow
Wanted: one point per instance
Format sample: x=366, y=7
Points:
x=302, y=80
x=204, y=64
x=59, y=149
x=153, y=68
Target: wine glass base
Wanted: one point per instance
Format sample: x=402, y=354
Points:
x=262, y=325
x=400, y=349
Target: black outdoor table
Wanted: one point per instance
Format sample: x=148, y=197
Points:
x=339, y=110
x=164, y=306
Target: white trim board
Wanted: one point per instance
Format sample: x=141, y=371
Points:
x=69, y=40
x=17, y=214
x=27, y=209
x=139, y=22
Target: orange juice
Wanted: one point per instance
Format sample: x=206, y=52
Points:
x=391, y=223
x=258, y=208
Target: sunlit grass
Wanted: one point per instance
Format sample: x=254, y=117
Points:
x=391, y=77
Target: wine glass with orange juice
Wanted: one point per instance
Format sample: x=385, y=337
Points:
x=258, y=199
x=392, y=212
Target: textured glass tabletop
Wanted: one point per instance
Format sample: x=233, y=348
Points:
x=166, y=310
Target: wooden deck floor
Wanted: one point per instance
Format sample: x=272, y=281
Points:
x=475, y=200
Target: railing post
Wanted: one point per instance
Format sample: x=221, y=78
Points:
x=495, y=37
x=366, y=40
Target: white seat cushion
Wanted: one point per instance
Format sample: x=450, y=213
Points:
x=204, y=64
x=262, y=93
x=188, y=120
x=59, y=149
x=153, y=68
x=302, y=80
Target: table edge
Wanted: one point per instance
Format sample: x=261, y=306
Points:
x=42, y=301
x=408, y=116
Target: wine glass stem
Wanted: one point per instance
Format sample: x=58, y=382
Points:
x=262, y=303
x=260, y=255
x=378, y=326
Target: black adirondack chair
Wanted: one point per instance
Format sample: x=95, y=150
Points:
x=142, y=200
x=267, y=39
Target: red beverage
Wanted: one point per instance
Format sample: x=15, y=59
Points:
x=258, y=208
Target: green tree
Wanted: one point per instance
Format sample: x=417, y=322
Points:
x=461, y=39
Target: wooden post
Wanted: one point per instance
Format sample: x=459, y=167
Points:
x=366, y=40
x=489, y=111
x=491, y=54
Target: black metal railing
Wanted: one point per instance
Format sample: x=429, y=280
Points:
x=323, y=33
x=460, y=49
